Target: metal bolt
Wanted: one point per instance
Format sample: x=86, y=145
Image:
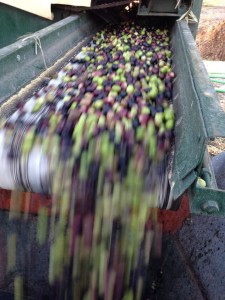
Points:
x=211, y=207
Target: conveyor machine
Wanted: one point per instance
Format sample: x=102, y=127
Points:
x=30, y=62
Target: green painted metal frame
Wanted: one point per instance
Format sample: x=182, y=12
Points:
x=151, y=7
x=19, y=63
x=15, y=22
x=166, y=8
x=199, y=118
x=207, y=200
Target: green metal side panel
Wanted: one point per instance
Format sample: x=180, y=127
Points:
x=198, y=113
x=196, y=9
x=212, y=112
x=19, y=62
x=15, y=23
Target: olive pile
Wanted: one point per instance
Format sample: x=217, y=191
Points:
x=105, y=122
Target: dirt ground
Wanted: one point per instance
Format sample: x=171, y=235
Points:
x=211, y=45
x=211, y=33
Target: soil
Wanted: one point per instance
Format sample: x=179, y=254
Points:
x=211, y=33
x=211, y=44
x=218, y=145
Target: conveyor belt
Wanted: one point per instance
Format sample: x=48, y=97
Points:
x=96, y=137
x=28, y=177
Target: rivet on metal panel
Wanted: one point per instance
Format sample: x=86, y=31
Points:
x=18, y=57
x=211, y=207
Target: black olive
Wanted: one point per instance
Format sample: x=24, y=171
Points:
x=111, y=135
x=137, y=93
x=135, y=123
x=123, y=94
x=159, y=109
x=106, y=108
x=114, y=67
x=62, y=85
x=118, y=98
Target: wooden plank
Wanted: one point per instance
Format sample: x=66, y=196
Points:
x=43, y=7
x=38, y=7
